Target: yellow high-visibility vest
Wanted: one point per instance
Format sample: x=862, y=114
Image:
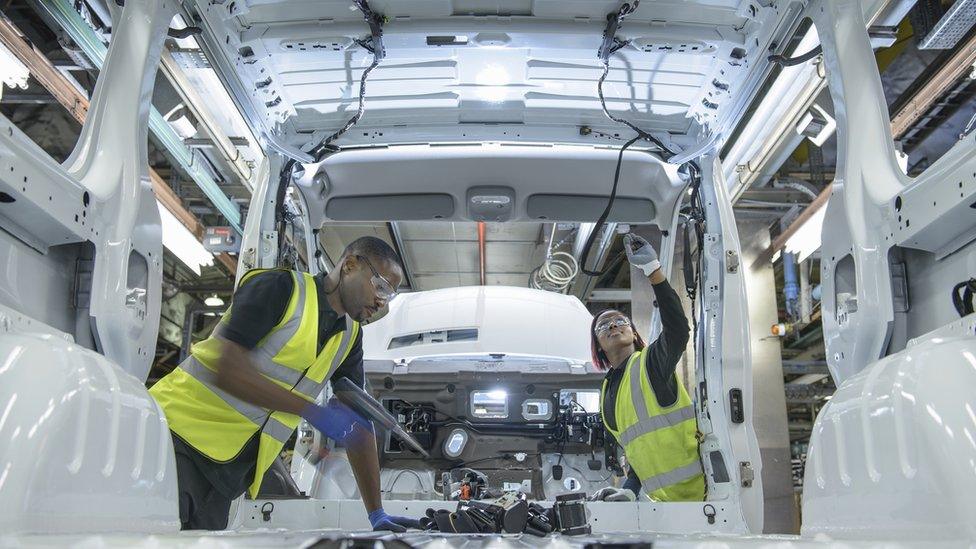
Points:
x=218, y=424
x=660, y=442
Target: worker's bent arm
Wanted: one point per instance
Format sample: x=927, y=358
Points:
x=361, y=450
x=237, y=375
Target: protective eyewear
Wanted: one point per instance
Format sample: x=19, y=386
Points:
x=384, y=290
x=608, y=325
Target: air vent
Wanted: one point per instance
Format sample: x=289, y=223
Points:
x=433, y=337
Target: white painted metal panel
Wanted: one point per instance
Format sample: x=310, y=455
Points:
x=894, y=451
x=83, y=447
x=510, y=320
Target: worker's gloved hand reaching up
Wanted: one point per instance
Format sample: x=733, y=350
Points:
x=382, y=521
x=613, y=494
x=334, y=420
x=641, y=254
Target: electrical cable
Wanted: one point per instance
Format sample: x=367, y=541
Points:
x=962, y=297
x=784, y=61
x=397, y=477
x=606, y=213
x=375, y=46
x=610, y=45
x=558, y=270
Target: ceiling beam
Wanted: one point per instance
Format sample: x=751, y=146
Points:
x=77, y=104
x=481, y=250
x=784, y=236
x=935, y=86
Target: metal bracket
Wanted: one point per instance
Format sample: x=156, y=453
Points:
x=746, y=474
x=731, y=261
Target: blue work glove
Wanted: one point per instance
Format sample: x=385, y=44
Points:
x=334, y=420
x=641, y=254
x=382, y=521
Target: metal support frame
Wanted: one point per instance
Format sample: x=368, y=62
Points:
x=957, y=67
x=120, y=212
x=874, y=207
x=857, y=310
x=722, y=353
x=74, y=26
x=784, y=236
x=77, y=105
x=222, y=143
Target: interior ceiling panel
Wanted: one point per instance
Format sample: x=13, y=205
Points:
x=336, y=236
x=532, y=63
x=442, y=254
x=580, y=175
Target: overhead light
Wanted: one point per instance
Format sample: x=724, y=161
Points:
x=455, y=443
x=491, y=82
x=12, y=72
x=807, y=239
x=181, y=242
x=178, y=118
x=786, y=101
x=213, y=301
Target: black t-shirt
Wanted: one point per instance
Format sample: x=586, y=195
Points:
x=257, y=307
x=661, y=358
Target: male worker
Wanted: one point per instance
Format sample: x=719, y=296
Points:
x=237, y=399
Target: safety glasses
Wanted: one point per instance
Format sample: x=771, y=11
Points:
x=384, y=290
x=608, y=325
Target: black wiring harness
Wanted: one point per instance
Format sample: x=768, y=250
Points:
x=962, y=297
x=610, y=45
x=373, y=44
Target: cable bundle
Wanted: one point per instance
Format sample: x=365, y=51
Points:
x=556, y=274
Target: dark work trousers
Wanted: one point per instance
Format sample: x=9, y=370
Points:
x=202, y=506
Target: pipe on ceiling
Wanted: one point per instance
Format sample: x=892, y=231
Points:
x=481, y=249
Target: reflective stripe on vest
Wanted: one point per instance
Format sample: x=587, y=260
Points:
x=311, y=388
x=277, y=430
x=208, y=378
x=660, y=443
x=674, y=476
x=651, y=424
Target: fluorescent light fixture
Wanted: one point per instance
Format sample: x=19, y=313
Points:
x=807, y=239
x=213, y=301
x=582, y=234
x=181, y=242
x=789, y=93
x=12, y=72
x=491, y=82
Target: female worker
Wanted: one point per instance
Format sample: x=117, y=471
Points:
x=644, y=405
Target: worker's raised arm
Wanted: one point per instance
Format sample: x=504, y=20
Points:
x=661, y=356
